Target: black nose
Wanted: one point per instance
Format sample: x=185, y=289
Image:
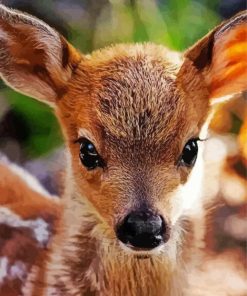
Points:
x=142, y=230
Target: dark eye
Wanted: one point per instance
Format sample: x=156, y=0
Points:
x=189, y=154
x=89, y=155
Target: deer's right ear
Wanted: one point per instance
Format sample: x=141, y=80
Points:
x=34, y=58
x=219, y=59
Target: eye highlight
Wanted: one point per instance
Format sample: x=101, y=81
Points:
x=189, y=153
x=88, y=155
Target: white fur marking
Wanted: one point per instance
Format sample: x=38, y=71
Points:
x=3, y=268
x=39, y=227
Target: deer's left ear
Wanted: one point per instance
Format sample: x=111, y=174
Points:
x=34, y=58
x=221, y=58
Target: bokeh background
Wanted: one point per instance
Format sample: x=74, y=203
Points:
x=29, y=133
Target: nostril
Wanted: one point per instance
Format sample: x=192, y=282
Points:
x=142, y=230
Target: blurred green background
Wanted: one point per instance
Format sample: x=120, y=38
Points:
x=28, y=129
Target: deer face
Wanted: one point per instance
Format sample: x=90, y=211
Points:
x=132, y=117
x=133, y=134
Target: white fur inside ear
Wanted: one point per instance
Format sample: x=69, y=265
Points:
x=19, y=84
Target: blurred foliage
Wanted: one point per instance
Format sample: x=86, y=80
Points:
x=93, y=24
x=43, y=131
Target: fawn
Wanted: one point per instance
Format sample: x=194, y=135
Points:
x=134, y=118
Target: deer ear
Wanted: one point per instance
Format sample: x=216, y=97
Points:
x=34, y=58
x=221, y=58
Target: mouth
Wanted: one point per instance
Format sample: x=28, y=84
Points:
x=141, y=253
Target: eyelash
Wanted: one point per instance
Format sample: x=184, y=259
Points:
x=201, y=140
x=78, y=140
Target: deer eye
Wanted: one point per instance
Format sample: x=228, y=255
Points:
x=88, y=155
x=189, y=154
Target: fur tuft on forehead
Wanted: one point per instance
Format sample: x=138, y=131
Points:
x=138, y=95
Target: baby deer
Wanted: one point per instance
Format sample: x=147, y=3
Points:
x=134, y=118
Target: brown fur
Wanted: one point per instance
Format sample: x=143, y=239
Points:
x=18, y=243
x=21, y=199
x=138, y=116
x=139, y=105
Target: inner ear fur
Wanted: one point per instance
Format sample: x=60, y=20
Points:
x=34, y=58
x=220, y=58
